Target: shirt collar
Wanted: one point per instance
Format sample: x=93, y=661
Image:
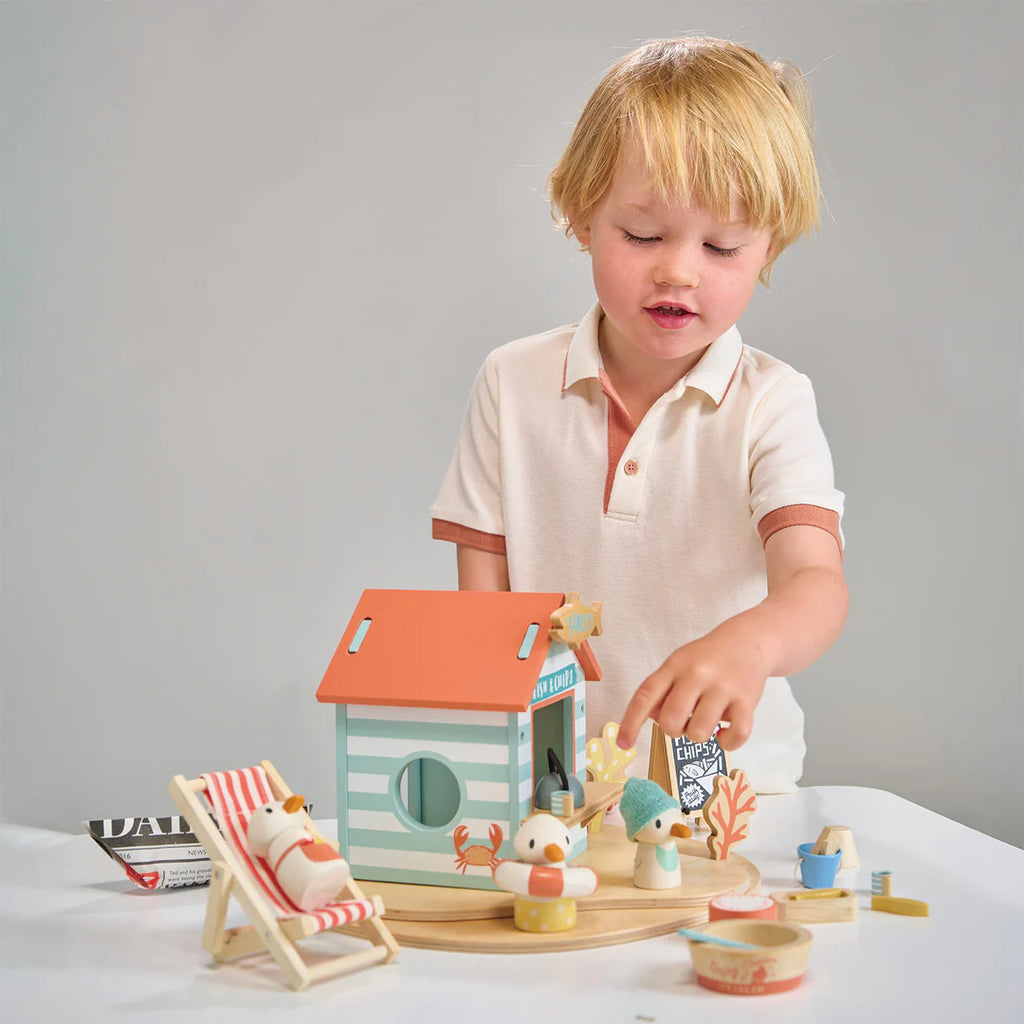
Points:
x=712, y=375
x=583, y=360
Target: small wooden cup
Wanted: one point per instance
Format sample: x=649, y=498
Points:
x=778, y=965
x=742, y=905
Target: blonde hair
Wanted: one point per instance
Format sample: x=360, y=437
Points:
x=715, y=123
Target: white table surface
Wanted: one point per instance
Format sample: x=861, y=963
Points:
x=79, y=942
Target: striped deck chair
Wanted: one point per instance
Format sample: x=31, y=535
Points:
x=276, y=923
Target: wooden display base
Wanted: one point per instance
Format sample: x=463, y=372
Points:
x=479, y=920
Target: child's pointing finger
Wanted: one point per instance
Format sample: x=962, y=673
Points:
x=645, y=703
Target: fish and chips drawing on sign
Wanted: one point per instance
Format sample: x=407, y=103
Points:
x=686, y=769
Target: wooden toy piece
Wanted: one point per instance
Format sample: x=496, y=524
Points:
x=715, y=940
x=543, y=886
x=574, y=622
x=442, y=698
x=776, y=964
x=750, y=906
x=563, y=804
x=883, y=899
x=834, y=838
x=311, y=873
x=814, y=906
x=654, y=822
x=477, y=921
x=898, y=905
x=597, y=798
x=827, y=842
x=728, y=812
x=277, y=923
x=606, y=762
x=881, y=883
x=611, y=856
x=556, y=781
x=542, y=915
x=851, y=859
x=684, y=769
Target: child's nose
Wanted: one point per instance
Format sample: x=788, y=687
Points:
x=677, y=268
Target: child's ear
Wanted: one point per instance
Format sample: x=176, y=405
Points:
x=580, y=231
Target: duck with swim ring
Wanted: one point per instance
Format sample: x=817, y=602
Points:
x=544, y=886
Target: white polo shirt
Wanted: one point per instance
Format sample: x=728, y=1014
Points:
x=664, y=521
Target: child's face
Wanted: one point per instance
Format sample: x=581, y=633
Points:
x=670, y=278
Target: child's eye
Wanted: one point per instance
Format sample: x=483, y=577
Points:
x=640, y=239
x=719, y=251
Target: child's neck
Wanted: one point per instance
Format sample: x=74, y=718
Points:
x=638, y=380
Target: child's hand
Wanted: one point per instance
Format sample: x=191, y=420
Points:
x=719, y=677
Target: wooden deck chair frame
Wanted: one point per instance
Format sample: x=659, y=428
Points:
x=267, y=931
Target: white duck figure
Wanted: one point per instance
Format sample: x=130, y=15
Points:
x=653, y=821
x=544, y=887
x=310, y=872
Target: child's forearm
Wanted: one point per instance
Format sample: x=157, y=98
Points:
x=721, y=676
x=798, y=621
x=481, y=570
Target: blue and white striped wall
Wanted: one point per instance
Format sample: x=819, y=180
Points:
x=488, y=752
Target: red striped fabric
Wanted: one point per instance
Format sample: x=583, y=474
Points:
x=233, y=797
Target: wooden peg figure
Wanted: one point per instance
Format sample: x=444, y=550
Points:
x=310, y=872
x=653, y=821
x=544, y=887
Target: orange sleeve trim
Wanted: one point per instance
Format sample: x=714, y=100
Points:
x=800, y=515
x=493, y=543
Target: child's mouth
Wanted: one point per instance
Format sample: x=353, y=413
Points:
x=670, y=316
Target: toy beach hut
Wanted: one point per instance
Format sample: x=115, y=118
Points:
x=447, y=703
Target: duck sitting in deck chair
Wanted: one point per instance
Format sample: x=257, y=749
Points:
x=281, y=871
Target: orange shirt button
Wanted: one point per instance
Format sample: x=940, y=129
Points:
x=630, y=468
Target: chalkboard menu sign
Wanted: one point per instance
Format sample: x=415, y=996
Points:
x=685, y=769
x=694, y=767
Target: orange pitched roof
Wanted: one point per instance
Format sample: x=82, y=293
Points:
x=444, y=649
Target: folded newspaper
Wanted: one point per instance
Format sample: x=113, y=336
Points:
x=156, y=853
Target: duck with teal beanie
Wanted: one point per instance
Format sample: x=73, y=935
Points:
x=653, y=821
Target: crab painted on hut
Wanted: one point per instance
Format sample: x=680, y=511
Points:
x=446, y=705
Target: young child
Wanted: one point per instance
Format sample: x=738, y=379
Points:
x=646, y=457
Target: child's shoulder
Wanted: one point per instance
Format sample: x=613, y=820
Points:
x=535, y=352
x=769, y=387
x=761, y=370
x=533, y=344
x=758, y=362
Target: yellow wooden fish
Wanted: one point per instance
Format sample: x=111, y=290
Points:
x=574, y=622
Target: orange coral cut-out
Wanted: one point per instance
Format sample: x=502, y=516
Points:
x=728, y=812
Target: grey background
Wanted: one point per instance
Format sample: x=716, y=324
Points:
x=253, y=255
